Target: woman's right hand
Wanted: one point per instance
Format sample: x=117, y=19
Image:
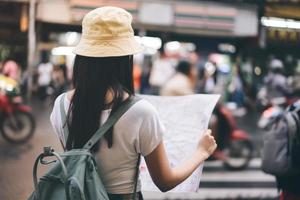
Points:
x=165, y=177
x=207, y=144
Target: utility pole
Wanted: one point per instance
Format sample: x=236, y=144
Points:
x=31, y=44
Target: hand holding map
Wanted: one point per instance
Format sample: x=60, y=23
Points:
x=207, y=144
x=185, y=119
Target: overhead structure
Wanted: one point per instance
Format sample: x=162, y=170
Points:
x=188, y=17
x=281, y=23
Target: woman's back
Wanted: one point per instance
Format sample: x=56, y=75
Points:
x=138, y=131
x=102, y=78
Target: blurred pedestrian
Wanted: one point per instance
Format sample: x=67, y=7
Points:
x=183, y=81
x=146, y=69
x=137, y=76
x=295, y=81
x=44, y=70
x=11, y=69
x=162, y=70
x=103, y=80
x=58, y=82
x=235, y=87
x=210, y=77
x=63, y=67
x=276, y=82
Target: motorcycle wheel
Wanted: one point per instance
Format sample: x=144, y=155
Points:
x=238, y=154
x=18, y=127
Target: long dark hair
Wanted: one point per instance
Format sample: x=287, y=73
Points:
x=92, y=79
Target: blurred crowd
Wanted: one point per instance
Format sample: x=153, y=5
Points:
x=186, y=73
x=47, y=79
x=236, y=81
x=174, y=74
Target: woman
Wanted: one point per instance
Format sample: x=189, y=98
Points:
x=11, y=69
x=182, y=83
x=102, y=80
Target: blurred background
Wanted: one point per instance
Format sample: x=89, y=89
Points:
x=245, y=50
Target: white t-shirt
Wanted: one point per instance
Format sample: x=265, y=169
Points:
x=178, y=85
x=139, y=130
x=45, y=70
x=161, y=72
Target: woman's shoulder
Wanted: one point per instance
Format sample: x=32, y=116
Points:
x=66, y=95
x=144, y=108
x=58, y=99
x=66, y=100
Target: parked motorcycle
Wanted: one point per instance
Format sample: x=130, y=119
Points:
x=234, y=145
x=17, y=124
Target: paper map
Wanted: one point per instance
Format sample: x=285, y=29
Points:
x=185, y=119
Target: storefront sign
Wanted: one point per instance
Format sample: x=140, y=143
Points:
x=188, y=17
x=156, y=14
x=283, y=36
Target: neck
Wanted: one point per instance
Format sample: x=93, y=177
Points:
x=108, y=98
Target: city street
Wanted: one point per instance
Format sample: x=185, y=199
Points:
x=216, y=183
x=243, y=53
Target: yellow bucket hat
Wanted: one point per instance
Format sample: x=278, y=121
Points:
x=107, y=32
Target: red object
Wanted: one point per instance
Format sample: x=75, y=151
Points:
x=238, y=134
x=7, y=105
x=229, y=117
x=137, y=73
x=235, y=133
x=23, y=108
x=232, y=138
x=285, y=195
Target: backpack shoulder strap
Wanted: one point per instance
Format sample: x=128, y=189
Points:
x=292, y=128
x=136, y=177
x=112, y=119
x=295, y=115
x=64, y=117
x=294, y=111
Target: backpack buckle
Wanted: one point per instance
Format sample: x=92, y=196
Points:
x=48, y=151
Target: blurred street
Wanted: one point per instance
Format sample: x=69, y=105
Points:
x=217, y=182
x=245, y=51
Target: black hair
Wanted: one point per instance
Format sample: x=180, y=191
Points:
x=44, y=57
x=93, y=77
x=184, y=67
x=278, y=71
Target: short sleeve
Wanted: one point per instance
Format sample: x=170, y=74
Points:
x=55, y=119
x=151, y=131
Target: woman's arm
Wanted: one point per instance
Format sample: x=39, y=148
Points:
x=165, y=177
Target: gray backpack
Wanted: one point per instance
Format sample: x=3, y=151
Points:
x=281, y=150
x=75, y=175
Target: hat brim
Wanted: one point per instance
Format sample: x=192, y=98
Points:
x=107, y=48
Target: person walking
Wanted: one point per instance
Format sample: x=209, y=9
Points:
x=276, y=82
x=44, y=70
x=183, y=81
x=102, y=80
